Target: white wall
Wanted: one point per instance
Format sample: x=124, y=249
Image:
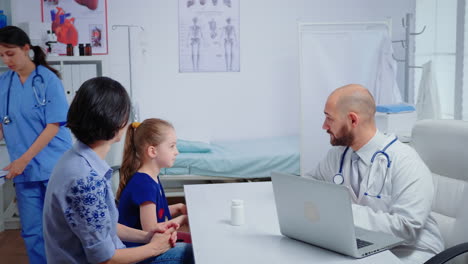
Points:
x=262, y=100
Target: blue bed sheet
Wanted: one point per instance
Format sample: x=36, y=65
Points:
x=241, y=159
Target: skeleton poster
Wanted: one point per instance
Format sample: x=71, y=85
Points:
x=77, y=21
x=209, y=36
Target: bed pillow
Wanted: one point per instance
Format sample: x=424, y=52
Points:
x=187, y=146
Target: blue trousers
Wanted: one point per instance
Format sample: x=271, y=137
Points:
x=182, y=253
x=30, y=197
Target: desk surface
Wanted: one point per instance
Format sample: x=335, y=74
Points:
x=259, y=240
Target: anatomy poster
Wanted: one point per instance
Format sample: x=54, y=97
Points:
x=209, y=36
x=77, y=21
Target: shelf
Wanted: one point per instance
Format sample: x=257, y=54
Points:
x=98, y=60
x=76, y=58
x=54, y=60
x=94, y=58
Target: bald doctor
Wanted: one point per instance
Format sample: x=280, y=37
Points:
x=390, y=186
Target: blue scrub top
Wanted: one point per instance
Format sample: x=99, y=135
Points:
x=29, y=118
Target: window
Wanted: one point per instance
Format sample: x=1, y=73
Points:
x=445, y=44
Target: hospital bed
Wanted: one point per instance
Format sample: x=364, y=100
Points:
x=230, y=161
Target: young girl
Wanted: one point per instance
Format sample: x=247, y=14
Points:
x=149, y=146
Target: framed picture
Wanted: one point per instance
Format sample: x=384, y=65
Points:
x=209, y=36
x=77, y=21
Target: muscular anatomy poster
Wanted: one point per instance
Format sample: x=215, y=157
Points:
x=209, y=36
x=77, y=21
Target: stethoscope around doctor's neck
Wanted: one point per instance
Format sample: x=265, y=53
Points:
x=339, y=179
x=40, y=100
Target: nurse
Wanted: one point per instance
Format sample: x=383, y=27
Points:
x=33, y=111
x=389, y=184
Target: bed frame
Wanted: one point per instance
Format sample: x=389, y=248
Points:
x=174, y=184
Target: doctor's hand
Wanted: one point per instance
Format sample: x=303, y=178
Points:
x=15, y=168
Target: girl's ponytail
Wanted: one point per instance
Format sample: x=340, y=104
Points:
x=130, y=161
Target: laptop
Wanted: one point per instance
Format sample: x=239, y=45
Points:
x=320, y=213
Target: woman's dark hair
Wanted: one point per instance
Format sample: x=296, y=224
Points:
x=101, y=108
x=11, y=36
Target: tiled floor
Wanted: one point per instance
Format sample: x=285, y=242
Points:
x=12, y=248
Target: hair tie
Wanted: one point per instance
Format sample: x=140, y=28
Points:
x=136, y=124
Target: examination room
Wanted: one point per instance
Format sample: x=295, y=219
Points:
x=260, y=131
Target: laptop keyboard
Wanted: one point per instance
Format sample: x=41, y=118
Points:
x=362, y=243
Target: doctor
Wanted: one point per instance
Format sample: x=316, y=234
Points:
x=390, y=186
x=33, y=110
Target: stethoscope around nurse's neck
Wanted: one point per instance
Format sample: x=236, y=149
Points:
x=339, y=179
x=40, y=101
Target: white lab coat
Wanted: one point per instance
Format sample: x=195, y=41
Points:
x=385, y=90
x=406, y=197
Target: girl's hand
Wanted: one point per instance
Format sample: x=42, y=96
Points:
x=162, y=242
x=178, y=209
x=162, y=227
x=173, y=239
x=182, y=208
x=181, y=220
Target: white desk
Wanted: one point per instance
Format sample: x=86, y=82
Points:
x=259, y=240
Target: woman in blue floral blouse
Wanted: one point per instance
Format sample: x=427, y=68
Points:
x=80, y=216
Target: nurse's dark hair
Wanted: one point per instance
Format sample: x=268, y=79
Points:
x=100, y=108
x=140, y=136
x=11, y=36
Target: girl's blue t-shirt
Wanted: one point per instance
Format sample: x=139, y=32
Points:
x=142, y=188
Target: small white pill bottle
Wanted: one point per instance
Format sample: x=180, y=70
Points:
x=237, y=212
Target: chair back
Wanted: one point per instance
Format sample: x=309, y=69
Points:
x=442, y=146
